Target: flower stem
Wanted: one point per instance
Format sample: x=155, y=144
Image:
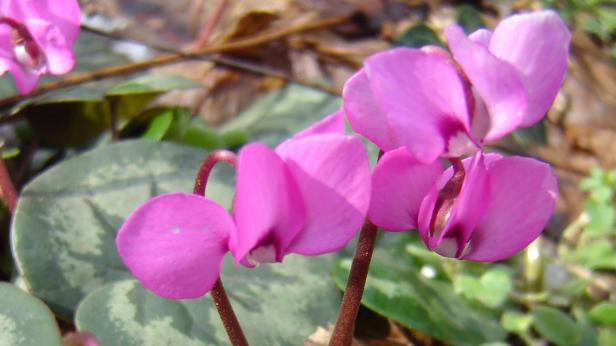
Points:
x=225, y=310
x=351, y=300
x=343, y=331
x=7, y=188
x=232, y=325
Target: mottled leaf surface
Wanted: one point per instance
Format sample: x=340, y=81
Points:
x=277, y=304
x=63, y=232
x=25, y=320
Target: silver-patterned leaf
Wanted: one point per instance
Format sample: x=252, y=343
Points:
x=25, y=320
x=63, y=232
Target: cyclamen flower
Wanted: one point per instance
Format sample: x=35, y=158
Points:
x=36, y=37
x=485, y=208
x=309, y=196
x=439, y=104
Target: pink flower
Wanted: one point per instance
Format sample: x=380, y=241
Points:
x=36, y=37
x=309, y=196
x=485, y=208
x=439, y=104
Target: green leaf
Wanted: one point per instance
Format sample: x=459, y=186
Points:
x=276, y=304
x=25, y=320
x=396, y=289
x=496, y=284
x=202, y=136
x=598, y=254
x=469, y=17
x=491, y=289
x=589, y=335
x=279, y=114
x=63, y=232
x=607, y=337
x=159, y=126
x=602, y=215
x=9, y=153
x=418, y=36
x=516, y=322
x=152, y=84
x=556, y=326
x=604, y=313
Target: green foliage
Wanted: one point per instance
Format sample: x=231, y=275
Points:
x=67, y=218
x=469, y=17
x=556, y=326
x=280, y=304
x=75, y=116
x=25, y=320
x=417, y=36
x=604, y=313
x=279, y=114
x=491, y=289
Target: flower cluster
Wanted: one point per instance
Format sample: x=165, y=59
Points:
x=310, y=195
x=421, y=104
x=299, y=198
x=36, y=38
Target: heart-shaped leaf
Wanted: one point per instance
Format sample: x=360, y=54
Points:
x=25, y=320
x=63, y=232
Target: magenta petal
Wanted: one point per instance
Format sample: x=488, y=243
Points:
x=482, y=37
x=25, y=79
x=58, y=54
x=423, y=97
x=498, y=82
x=537, y=45
x=523, y=196
x=399, y=184
x=333, y=174
x=333, y=123
x=268, y=207
x=467, y=210
x=472, y=202
x=365, y=114
x=64, y=14
x=174, y=244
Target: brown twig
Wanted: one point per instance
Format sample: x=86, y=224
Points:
x=170, y=58
x=227, y=62
x=9, y=193
x=204, y=35
x=345, y=324
x=225, y=310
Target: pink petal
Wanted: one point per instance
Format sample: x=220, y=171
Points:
x=333, y=123
x=58, y=54
x=472, y=202
x=25, y=79
x=174, y=244
x=6, y=47
x=498, y=82
x=399, y=184
x=268, y=206
x=523, y=196
x=482, y=37
x=423, y=97
x=537, y=45
x=365, y=114
x=467, y=211
x=333, y=175
x=64, y=14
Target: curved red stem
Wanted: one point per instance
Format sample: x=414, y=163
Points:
x=225, y=310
